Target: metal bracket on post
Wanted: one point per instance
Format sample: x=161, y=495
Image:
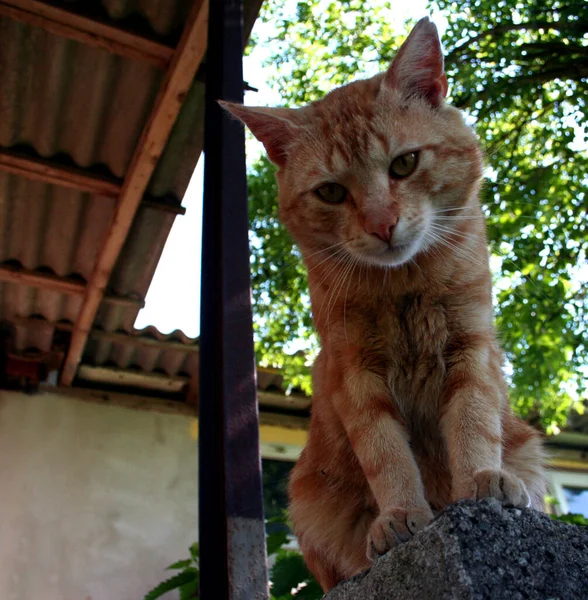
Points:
x=233, y=562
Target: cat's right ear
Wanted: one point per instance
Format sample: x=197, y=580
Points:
x=418, y=69
x=273, y=127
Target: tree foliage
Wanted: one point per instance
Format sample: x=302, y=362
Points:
x=520, y=71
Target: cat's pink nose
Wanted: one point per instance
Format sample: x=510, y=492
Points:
x=382, y=229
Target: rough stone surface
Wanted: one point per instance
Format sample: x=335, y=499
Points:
x=480, y=551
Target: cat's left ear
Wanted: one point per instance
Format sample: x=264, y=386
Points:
x=417, y=69
x=275, y=128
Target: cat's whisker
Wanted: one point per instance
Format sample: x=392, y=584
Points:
x=445, y=231
x=522, y=275
x=334, y=285
x=337, y=291
x=330, y=269
x=416, y=265
x=475, y=217
x=330, y=257
x=458, y=218
x=448, y=228
x=449, y=209
x=450, y=231
x=345, y=300
x=460, y=251
x=326, y=249
x=296, y=262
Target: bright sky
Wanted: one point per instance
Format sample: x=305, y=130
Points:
x=173, y=300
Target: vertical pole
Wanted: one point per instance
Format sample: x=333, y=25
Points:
x=233, y=563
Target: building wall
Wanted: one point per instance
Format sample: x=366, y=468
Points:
x=95, y=500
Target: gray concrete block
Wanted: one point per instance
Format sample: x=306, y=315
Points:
x=480, y=551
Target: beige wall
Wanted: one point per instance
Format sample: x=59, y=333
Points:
x=94, y=500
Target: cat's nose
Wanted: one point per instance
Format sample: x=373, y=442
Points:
x=383, y=229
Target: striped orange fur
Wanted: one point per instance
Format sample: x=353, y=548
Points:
x=379, y=186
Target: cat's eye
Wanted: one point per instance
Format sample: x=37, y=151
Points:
x=404, y=165
x=333, y=193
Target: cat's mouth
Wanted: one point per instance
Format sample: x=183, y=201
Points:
x=392, y=255
x=396, y=248
x=397, y=253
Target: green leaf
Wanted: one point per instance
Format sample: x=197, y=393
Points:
x=180, y=564
x=194, y=552
x=311, y=591
x=288, y=572
x=189, y=591
x=275, y=541
x=173, y=583
x=572, y=518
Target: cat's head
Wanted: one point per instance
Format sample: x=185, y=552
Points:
x=374, y=165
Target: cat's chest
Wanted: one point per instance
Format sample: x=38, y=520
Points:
x=415, y=332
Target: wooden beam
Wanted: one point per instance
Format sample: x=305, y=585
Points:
x=46, y=281
x=90, y=32
x=141, y=340
x=293, y=402
x=124, y=400
x=174, y=88
x=267, y=420
x=163, y=205
x=38, y=323
x=47, y=171
x=125, y=301
x=56, y=283
x=137, y=379
x=109, y=336
x=276, y=400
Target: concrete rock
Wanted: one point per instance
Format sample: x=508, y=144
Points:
x=480, y=551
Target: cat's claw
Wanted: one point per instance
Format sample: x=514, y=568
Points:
x=394, y=526
x=503, y=486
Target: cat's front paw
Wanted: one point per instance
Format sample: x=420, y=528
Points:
x=394, y=526
x=503, y=486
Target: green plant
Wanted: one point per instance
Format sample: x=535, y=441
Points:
x=572, y=518
x=186, y=581
x=289, y=575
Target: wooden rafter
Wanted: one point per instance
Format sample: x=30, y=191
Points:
x=47, y=171
x=55, y=283
x=154, y=404
x=137, y=379
x=175, y=86
x=47, y=281
x=142, y=340
x=90, y=32
x=109, y=336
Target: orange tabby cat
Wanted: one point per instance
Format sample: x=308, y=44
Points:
x=379, y=186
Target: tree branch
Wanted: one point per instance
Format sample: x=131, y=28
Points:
x=577, y=26
x=512, y=85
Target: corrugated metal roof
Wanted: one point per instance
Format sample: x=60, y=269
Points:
x=148, y=352
x=60, y=97
x=181, y=360
x=164, y=17
x=84, y=107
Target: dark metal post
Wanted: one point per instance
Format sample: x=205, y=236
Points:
x=233, y=562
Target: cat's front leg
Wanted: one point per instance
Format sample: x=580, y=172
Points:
x=471, y=409
x=378, y=437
